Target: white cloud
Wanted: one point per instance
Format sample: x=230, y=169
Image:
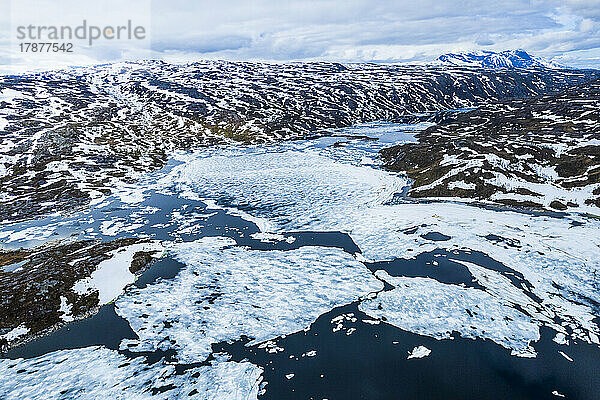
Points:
x=354, y=30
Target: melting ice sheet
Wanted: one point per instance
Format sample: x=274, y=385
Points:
x=305, y=186
x=222, y=293
x=100, y=373
x=226, y=292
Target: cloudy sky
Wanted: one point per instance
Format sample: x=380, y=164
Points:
x=567, y=31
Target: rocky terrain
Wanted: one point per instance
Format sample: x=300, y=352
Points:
x=37, y=285
x=67, y=138
x=542, y=152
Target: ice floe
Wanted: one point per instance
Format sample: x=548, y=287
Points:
x=428, y=307
x=224, y=292
x=419, y=352
x=562, y=353
x=100, y=373
x=272, y=237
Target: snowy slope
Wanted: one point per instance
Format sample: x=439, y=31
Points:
x=505, y=59
x=68, y=137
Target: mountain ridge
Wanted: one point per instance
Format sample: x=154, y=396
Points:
x=505, y=59
x=68, y=137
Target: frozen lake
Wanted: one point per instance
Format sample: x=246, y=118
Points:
x=300, y=270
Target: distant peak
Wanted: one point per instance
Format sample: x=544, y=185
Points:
x=505, y=59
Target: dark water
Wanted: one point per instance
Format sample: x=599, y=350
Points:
x=442, y=265
x=105, y=328
x=371, y=362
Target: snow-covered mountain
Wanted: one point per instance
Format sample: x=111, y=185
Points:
x=505, y=59
x=540, y=152
x=66, y=136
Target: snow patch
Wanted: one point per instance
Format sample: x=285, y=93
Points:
x=112, y=275
x=15, y=333
x=65, y=310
